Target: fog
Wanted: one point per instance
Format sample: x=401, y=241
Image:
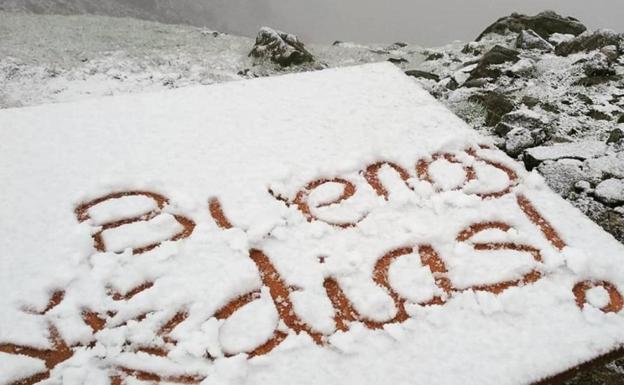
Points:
x=427, y=23
x=423, y=22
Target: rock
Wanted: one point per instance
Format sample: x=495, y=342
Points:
x=563, y=175
x=472, y=48
x=543, y=24
x=497, y=55
x=530, y=101
x=449, y=83
x=521, y=130
x=621, y=119
x=583, y=186
x=475, y=83
x=585, y=99
x=598, y=65
x=558, y=38
x=616, y=135
x=209, y=32
x=610, y=191
x=521, y=118
x=397, y=60
x=519, y=139
x=281, y=48
x=611, y=164
x=589, y=41
x=611, y=52
x=613, y=222
x=397, y=45
x=528, y=39
x=522, y=68
x=495, y=104
x=550, y=107
x=435, y=56
x=337, y=42
x=579, y=150
x=598, y=115
x=589, y=81
x=422, y=75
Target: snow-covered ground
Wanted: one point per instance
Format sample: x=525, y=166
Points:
x=194, y=236
x=47, y=59
x=558, y=114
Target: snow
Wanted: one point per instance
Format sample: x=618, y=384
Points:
x=42, y=61
x=120, y=208
x=598, y=297
x=235, y=142
x=447, y=175
x=250, y=327
x=141, y=234
x=21, y=367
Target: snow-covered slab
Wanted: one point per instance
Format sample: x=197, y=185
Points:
x=579, y=150
x=336, y=227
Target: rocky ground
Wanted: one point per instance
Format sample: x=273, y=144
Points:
x=550, y=92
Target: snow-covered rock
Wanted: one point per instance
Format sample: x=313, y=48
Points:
x=611, y=191
x=281, y=48
x=544, y=24
x=528, y=39
x=589, y=41
x=582, y=150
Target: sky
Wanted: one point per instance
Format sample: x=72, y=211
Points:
x=428, y=23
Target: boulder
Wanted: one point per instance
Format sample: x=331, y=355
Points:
x=610, y=191
x=523, y=68
x=519, y=139
x=613, y=222
x=615, y=136
x=397, y=45
x=422, y=75
x=598, y=115
x=611, y=164
x=621, y=119
x=529, y=39
x=449, y=83
x=564, y=175
x=497, y=55
x=544, y=24
x=579, y=150
x=590, y=41
x=472, y=48
x=521, y=118
x=281, y=48
x=398, y=60
x=521, y=130
x=495, y=104
x=584, y=99
x=611, y=52
x=435, y=56
x=475, y=83
x=598, y=65
x=530, y=101
x=589, y=81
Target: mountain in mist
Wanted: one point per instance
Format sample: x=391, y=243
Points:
x=213, y=13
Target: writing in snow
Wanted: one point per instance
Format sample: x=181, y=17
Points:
x=344, y=310
x=115, y=218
